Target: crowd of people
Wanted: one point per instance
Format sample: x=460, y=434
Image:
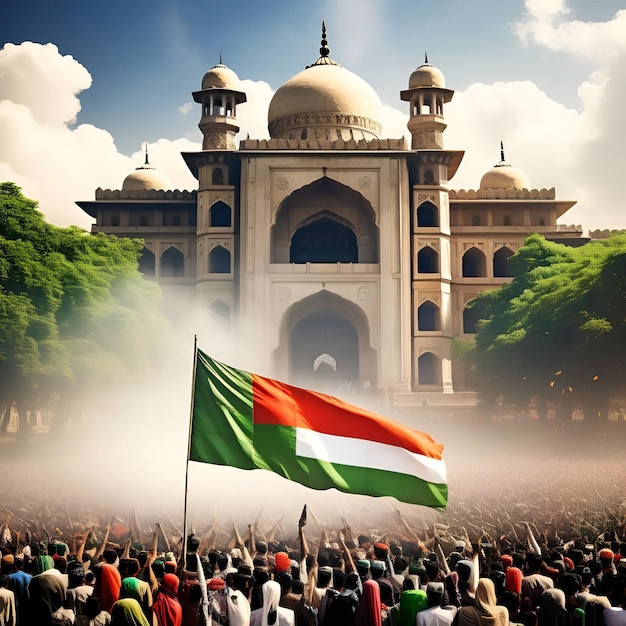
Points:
x=341, y=577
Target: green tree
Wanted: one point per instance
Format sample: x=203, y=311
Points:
x=557, y=332
x=75, y=313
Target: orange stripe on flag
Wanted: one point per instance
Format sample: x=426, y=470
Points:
x=283, y=405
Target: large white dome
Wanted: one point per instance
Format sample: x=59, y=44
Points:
x=325, y=101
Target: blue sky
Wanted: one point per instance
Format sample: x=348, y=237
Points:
x=545, y=76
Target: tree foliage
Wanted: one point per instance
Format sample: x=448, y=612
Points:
x=557, y=332
x=75, y=313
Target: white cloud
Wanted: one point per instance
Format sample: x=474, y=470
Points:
x=579, y=153
x=186, y=108
x=39, y=77
x=546, y=24
x=52, y=161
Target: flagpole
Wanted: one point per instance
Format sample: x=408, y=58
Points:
x=183, y=555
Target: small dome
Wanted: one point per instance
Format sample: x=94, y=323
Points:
x=427, y=76
x=220, y=77
x=504, y=176
x=144, y=178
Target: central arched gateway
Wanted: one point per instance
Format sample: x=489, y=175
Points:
x=325, y=345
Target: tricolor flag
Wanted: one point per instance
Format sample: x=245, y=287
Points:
x=251, y=422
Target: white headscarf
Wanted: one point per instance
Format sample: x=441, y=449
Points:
x=238, y=609
x=271, y=598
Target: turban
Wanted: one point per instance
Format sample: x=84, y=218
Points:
x=282, y=562
x=216, y=584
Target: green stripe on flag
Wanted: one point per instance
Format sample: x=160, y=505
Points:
x=275, y=450
x=221, y=430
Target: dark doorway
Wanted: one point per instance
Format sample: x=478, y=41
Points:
x=325, y=353
x=324, y=241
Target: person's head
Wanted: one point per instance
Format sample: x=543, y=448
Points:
x=377, y=569
x=352, y=581
x=76, y=576
x=339, y=579
x=284, y=580
x=434, y=593
x=92, y=607
x=4, y=581
x=533, y=563
x=324, y=576
x=511, y=600
x=193, y=543
x=109, y=556
x=222, y=561
x=363, y=567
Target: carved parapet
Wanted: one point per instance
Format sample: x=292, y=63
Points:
x=144, y=194
x=323, y=144
x=503, y=194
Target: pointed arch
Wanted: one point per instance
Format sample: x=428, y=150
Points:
x=217, y=176
x=324, y=240
x=428, y=369
x=428, y=317
x=337, y=224
x=220, y=215
x=326, y=324
x=470, y=318
x=147, y=262
x=427, y=215
x=219, y=261
x=221, y=310
x=172, y=263
x=474, y=263
x=428, y=261
x=501, y=266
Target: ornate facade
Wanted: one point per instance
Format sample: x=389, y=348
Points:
x=346, y=259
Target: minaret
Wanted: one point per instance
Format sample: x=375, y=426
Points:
x=427, y=95
x=219, y=98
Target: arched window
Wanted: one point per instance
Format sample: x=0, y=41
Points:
x=304, y=134
x=427, y=261
x=219, y=215
x=219, y=261
x=428, y=369
x=470, y=319
x=229, y=108
x=217, y=176
x=221, y=310
x=324, y=241
x=146, y=262
x=172, y=263
x=474, y=263
x=217, y=107
x=501, y=262
x=427, y=215
x=506, y=220
x=428, y=316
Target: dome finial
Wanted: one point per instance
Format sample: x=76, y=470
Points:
x=501, y=150
x=425, y=58
x=221, y=58
x=147, y=161
x=324, y=49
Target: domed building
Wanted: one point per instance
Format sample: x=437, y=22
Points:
x=339, y=259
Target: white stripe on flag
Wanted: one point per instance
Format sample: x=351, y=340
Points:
x=370, y=454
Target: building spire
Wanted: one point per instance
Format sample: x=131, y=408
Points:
x=147, y=162
x=501, y=150
x=425, y=58
x=324, y=49
x=221, y=58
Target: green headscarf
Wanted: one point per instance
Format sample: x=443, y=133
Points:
x=130, y=588
x=127, y=612
x=411, y=603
